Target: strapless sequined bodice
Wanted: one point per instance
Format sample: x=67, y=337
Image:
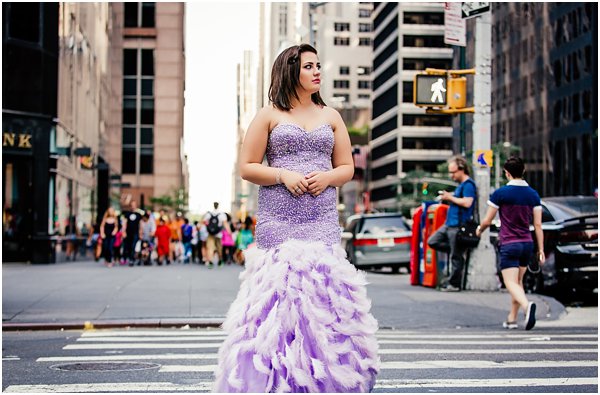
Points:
x=282, y=216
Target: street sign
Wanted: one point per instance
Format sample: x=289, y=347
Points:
x=470, y=10
x=485, y=158
x=455, y=28
x=430, y=90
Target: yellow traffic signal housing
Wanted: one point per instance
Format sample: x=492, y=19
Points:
x=457, y=92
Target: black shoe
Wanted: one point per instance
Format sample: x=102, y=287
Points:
x=530, y=316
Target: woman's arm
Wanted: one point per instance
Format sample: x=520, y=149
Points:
x=539, y=234
x=487, y=221
x=253, y=152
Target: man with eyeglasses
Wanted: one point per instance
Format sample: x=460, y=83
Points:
x=460, y=210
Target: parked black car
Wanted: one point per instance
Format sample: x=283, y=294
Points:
x=570, y=225
x=378, y=240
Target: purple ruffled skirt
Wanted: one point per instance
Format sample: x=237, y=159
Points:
x=300, y=323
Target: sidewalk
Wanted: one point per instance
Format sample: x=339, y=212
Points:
x=67, y=295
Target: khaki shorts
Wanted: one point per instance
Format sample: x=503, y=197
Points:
x=213, y=244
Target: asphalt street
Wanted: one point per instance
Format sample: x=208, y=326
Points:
x=183, y=360
x=76, y=292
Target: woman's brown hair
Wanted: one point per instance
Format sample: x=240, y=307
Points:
x=285, y=78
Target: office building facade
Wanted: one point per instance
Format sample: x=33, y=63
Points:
x=408, y=38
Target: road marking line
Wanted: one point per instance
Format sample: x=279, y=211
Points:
x=384, y=351
x=111, y=346
x=127, y=357
x=414, y=365
x=158, y=332
x=544, y=336
x=485, y=383
x=146, y=339
x=112, y=387
x=491, y=342
x=380, y=384
x=487, y=351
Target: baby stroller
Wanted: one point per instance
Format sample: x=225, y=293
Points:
x=145, y=252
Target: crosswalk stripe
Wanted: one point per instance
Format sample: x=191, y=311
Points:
x=491, y=342
x=485, y=383
x=183, y=333
x=111, y=346
x=544, y=336
x=127, y=357
x=380, y=384
x=412, y=365
x=111, y=387
x=159, y=337
x=146, y=339
x=392, y=351
x=384, y=351
x=149, y=345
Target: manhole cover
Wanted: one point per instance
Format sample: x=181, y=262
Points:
x=104, y=366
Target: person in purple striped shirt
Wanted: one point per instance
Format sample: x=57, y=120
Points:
x=518, y=205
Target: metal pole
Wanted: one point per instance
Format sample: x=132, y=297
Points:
x=463, y=123
x=481, y=274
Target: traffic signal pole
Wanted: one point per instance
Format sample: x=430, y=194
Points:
x=481, y=271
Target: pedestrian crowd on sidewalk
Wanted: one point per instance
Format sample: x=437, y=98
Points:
x=142, y=237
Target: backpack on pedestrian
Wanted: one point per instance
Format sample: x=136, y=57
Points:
x=186, y=233
x=213, y=226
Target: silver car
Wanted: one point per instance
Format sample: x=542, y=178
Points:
x=378, y=240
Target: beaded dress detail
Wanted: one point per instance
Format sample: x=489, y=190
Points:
x=301, y=320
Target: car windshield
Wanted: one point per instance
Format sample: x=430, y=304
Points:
x=564, y=208
x=378, y=225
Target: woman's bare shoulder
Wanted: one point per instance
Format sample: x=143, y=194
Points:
x=333, y=116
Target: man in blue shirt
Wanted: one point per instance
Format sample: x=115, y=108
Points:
x=460, y=210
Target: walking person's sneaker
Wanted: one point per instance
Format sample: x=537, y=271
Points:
x=510, y=325
x=450, y=288
x=530, y=316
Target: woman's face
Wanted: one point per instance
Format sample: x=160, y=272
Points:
x=310, y=72
x=111, y=212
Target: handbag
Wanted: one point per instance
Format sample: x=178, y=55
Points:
x=466, y=236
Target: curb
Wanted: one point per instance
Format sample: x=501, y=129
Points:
x=89, y=325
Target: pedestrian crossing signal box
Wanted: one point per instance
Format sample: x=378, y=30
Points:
x=430, y=90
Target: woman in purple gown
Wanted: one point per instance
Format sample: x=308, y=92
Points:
x=301, y=321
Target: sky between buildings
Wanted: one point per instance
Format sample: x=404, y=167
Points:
x=217, y=33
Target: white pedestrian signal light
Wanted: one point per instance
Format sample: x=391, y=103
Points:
x=430, y=90
x=442, y=91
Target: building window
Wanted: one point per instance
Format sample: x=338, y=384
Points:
x=344, y=70
x=363, y=70
x=341, y=98
x=364, y=84
x=343, y=41
x=341, y=27
x=424, y=41
x=423, y=18
x=342, y=84
x=283, y=14
x=24, y=21
x=364, y=41
x=140, y=14
x=365, y=27
x=364, y=13
x=138, y=111
x=363, y=96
